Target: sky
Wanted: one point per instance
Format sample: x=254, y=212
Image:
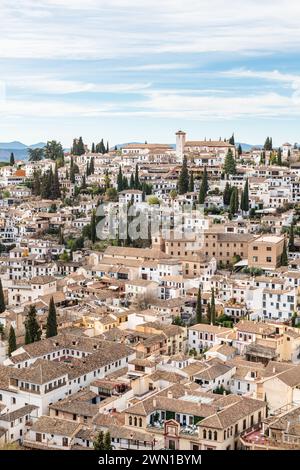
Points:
x=136, y=70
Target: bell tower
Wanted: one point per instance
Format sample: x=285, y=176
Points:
x=180, y=143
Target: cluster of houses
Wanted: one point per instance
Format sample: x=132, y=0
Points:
x=132, y=355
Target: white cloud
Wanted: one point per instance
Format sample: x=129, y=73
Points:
x=48, y=84
x=97, y=29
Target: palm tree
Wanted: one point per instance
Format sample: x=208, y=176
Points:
x=35, y=155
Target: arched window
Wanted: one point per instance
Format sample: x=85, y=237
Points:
x=130, y=420
x=215, y=436
x=210, y=435
x=140, y=422
x=224, y=434
x=204, y=433
x=135, y=421
x=228, y=432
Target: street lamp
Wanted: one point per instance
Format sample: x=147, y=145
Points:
x=130, y=439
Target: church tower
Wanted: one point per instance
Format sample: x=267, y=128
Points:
x=180, y=143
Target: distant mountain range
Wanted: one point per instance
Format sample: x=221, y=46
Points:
x=18, y=148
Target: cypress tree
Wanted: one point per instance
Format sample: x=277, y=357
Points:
x=227, y=194
x=245, y=197
x=87, y=171
x=120, y=180
x=12, y=342
x=125, y=184
x=61, y=240
x=93, y=147
x=234, y=201
x=33, y=331
x=36, y=187
x=2, y=301
x=93, y=227
x=80, y=147
x=183, y=182
x=92, y=166
x=279, y=157
x=229, y=164
x=107, y=441
x=292, y=239
x=284, y=256
x=231, y=140
x=12, y=159
x=202, y=193
x=107, y=147
x=51, y=327
x=191, y=182
x=239, y=150
x=99, y=441
x=55, y=192
x=213, y=307
x=131, y=184
x=199, y=307
x=136, y=178
x=208, y=313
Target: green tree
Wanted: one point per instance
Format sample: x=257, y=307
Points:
x=93, y=228
x=239, y=150
x=294, y=318
x=92, y=166
x=12, y=159
x=279, y=157
x=183, y=182
x=131, y=183
x=234, y=201
x=35, y=155
x=284, y=256
x=199, y=307
x=178, y=321
x=107, y=437
x=227, y=194
x=212, y=307
x=203, y=187
x=229, y=164
x=51, y=327
x=191, y=182
x=136, y=178
x=78, y=147
x=32, y=328
x=292, y=239
x=245, y=197
x=93, y=147
x=12, y=342
x=268, y=144
x=55, y=192
x=120, y=180
x=99, y=441
x=2, y=301
x=100, y=148
x=36, y=185
x=54, y=150
x=106, y=180
x=208, y=314
x=231, y=140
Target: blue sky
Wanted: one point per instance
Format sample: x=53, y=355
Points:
x=130, y=70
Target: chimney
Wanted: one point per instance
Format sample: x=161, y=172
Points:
x=274, y=370
x=154, y=402
x=170, y=394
